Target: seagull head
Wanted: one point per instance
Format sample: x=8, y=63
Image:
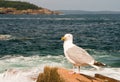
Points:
x=67, y=37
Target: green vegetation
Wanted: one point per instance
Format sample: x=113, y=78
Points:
x=50, y=75
x=18, y=5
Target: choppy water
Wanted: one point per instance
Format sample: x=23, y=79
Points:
x=35, y=39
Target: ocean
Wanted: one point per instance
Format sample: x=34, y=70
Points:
x=35, y=39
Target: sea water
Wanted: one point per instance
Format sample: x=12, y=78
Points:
x=35, y=40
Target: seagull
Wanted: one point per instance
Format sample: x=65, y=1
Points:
x=77, y=55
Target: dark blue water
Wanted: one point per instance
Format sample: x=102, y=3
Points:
x=40, y=35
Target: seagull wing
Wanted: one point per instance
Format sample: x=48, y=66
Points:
x=79, y=55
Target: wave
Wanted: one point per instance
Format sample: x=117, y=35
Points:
x=32, y=61
x=17, y=75
x=33, y=65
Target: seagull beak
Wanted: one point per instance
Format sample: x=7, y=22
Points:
x=63, y=38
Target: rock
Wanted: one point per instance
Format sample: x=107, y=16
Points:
x=52, y=74
x=105, y=78
x=5, y=37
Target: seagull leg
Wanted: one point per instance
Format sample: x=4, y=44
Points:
x=73, y=70
x=79, y=69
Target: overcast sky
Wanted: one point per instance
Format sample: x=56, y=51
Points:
x=90, y=5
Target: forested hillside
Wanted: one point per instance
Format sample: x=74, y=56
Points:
x=18, y=5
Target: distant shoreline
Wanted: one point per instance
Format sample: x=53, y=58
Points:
x=20, y=7
x=27, y=11
x=88, y=12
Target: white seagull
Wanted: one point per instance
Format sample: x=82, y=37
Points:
x=77, y=55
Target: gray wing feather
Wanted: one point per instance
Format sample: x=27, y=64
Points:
x=79, y=55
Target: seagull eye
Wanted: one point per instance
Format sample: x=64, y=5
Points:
x=69, y=36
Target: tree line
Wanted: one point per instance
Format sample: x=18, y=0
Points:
x=18, y=5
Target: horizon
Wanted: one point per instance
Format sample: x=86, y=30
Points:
x=93, y=10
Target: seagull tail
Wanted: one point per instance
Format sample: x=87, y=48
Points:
x=99, y=63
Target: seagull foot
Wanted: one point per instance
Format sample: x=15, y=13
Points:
x=78, y=73
x=72, y=72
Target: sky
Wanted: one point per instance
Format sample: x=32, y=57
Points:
x=88, y=5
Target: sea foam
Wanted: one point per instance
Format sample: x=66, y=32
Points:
x=15, y=69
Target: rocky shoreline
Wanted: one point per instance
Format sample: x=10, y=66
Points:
x=63, y=75
x=52, y=74
x=28, y=11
